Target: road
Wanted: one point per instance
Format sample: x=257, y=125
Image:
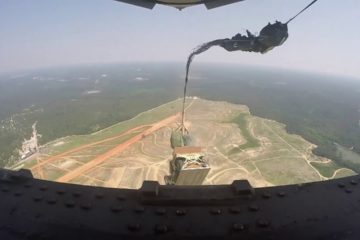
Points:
x=115, y=151
x=38, y=166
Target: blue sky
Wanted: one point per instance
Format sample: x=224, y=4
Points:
x=43, y=33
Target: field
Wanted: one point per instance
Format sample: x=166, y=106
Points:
x=238, y=145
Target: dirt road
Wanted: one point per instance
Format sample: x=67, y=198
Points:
x=115, y=151
x=38, y=166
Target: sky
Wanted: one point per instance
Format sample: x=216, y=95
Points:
x=43, y=33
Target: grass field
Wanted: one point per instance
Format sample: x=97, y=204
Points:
x=251, y=142
x=326, y=169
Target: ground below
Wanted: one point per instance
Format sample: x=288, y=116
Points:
x=237, y=144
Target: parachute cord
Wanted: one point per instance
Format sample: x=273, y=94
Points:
x=301, y=11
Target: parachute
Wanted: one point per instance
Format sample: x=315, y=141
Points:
x=271, y=36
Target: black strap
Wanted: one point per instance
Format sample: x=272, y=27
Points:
x=301, y=11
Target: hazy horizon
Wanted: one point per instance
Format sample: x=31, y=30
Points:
x=41, y=34
x=180, y=66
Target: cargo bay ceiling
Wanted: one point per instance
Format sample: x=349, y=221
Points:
x=179, y=4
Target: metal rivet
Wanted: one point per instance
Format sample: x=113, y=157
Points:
x=33, y=236
x=134, y=227
x=348, y=190
x=38, y=198
x=263, y=223
x=120, y=198
x=341, y=185
x=18, y=194
x=43, y=188
x=70, y=204
x=281, y=194
x=13, y=210
x=180, y=212
x=161, y=228
x=215, y=211
x=249, y=197
x=99, y=195
x=61, y=191
x=76, y=194
x=51, y=201
x=116, y=209
x=312, y=219
x=86, y=206
x=254, y=208
x=239, y=227
x=161, y=211
x=266, y=195
x=139, y=209
x=234, y=210
x=353, y=182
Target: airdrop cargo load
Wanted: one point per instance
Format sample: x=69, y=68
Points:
x=178, y=139
x=188, y=167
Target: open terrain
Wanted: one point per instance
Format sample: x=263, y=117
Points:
x=81, y=100
x=238, y=145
